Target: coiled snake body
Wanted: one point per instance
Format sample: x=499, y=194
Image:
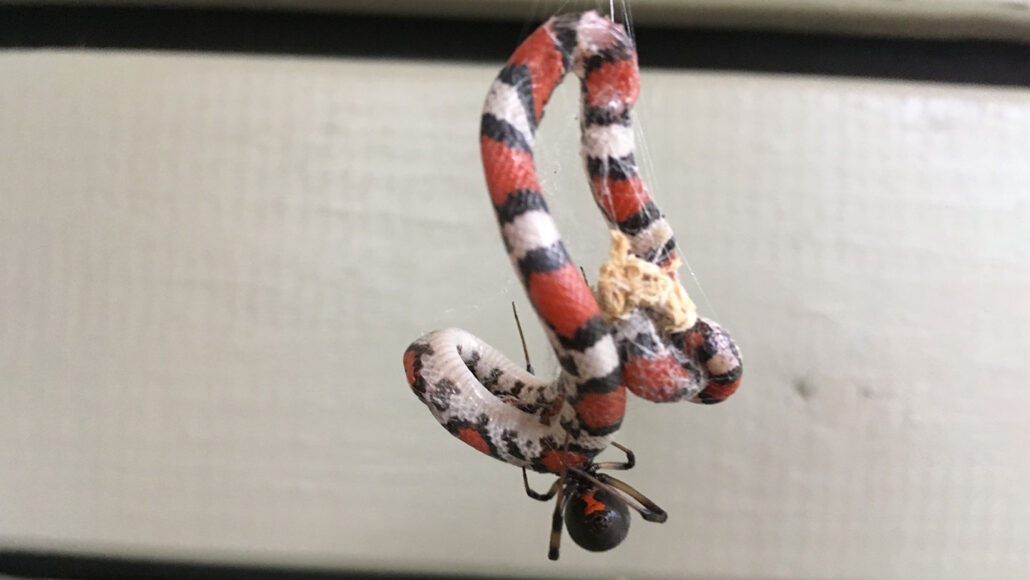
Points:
x=491, y=403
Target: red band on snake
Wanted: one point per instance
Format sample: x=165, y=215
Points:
x=490, y=402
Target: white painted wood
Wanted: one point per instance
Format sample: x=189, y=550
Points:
x=1003, y=19
x=210, y=266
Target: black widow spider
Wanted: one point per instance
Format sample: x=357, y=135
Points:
x=595, y=513
x=590, y=503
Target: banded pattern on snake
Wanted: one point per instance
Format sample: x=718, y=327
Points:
x=491, y=403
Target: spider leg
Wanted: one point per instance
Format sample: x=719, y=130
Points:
x=557, y=519
x=546, y=414
x=522, y=337
x=537, y=495
x=650, y=512
x=631, y=460
x=559, y=504
x=647, y=509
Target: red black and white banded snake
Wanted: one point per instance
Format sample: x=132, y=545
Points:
x=474, y=391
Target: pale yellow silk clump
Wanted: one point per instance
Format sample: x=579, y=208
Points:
x=627, y=283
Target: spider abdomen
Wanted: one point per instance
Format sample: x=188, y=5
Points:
x=597, y=519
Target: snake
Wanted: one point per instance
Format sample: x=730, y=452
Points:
x=493, y=404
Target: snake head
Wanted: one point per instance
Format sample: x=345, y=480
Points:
x=701, y=364
x=711, y=346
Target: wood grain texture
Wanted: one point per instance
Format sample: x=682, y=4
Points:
x=211, y=267
x=1000, y=19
